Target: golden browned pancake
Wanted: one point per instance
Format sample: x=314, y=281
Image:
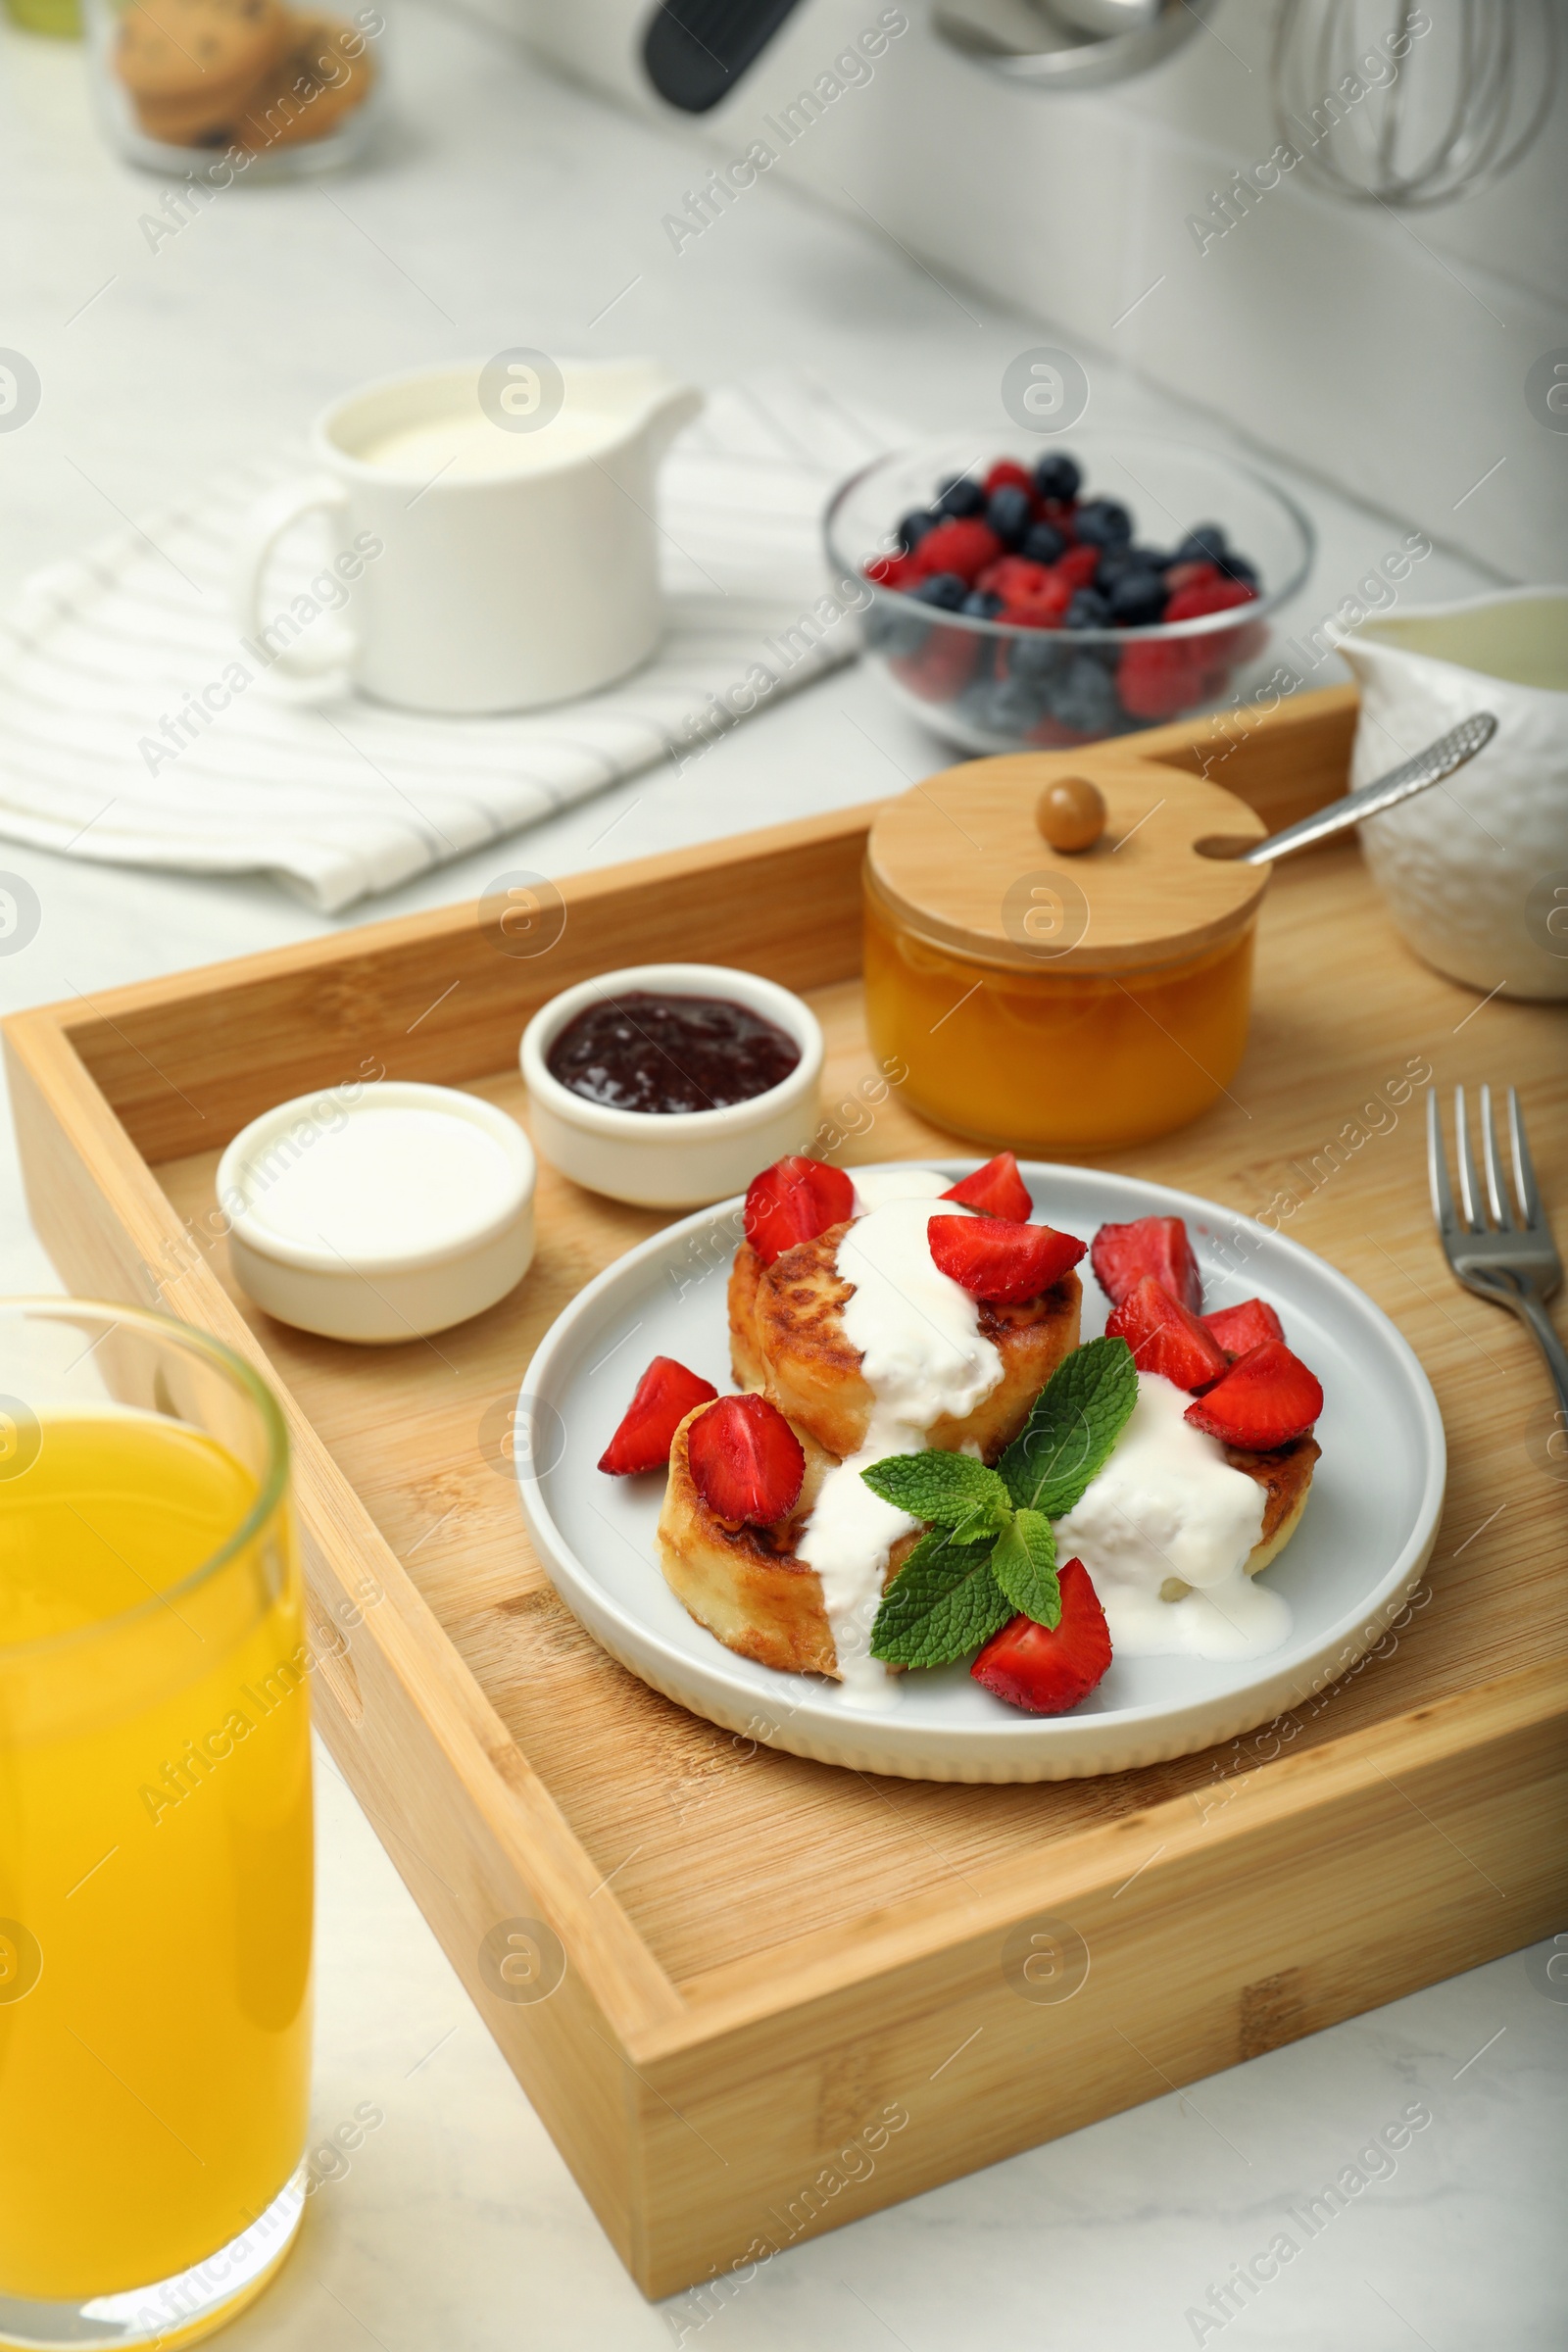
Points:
x=745, y=1361
x=744, y=1584
x=787, y=1338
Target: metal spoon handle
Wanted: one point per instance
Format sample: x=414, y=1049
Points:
x=1439, y=760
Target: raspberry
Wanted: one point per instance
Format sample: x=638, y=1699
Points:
x=1078, y=565
x=1046, y=609
x=1208, y=595
x=1155, y=680
x=962, y=545
x=1014, y=576
x=894, y=571
x=942, y=666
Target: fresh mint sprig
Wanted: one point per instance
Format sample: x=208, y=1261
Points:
x=990, y=1551
x=1076, y=1420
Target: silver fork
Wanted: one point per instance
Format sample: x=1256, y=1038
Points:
x=1511, y=1261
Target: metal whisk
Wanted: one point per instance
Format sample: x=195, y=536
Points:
x=1455, y=93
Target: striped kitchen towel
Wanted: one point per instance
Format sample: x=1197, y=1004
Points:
x=339, y=801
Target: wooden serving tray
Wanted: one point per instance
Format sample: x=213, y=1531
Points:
x=792, y=1993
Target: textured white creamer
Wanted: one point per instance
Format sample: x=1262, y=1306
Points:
x=1169, y=1504
x=922, y=1357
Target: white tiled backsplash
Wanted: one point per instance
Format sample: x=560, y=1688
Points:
x=1387, y=351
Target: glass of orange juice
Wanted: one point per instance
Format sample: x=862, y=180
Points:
x=155, y=1832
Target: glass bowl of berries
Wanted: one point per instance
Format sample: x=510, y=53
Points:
x=1049, y=597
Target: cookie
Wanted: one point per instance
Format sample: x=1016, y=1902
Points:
x=201, y=55
x=310, y=91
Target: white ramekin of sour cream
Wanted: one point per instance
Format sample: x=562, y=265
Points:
x=380, y=1218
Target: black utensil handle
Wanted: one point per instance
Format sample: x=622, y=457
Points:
x=696, y=50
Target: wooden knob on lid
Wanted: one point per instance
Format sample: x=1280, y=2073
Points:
x=980, y=858
x=1071, y=813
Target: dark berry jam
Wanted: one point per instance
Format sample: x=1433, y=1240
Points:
x=665, y=1055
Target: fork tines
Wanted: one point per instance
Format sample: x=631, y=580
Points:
x=1500, y=1200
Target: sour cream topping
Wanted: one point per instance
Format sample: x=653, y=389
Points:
x=1168, y=1504
x=922, y=1357
x=874, y=1187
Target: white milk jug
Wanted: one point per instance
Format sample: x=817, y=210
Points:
x=495, y=530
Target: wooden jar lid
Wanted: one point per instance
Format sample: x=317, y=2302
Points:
x=962, y=861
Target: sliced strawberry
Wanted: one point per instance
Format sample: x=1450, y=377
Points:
x=661, y=1402
x=964, y=545
x=1047, y=1672
x=1267, y=1398
x=1000, y=1260
x=1165, y=1336
x=1123, y=1254
x=997, y=1188
x=794, y=1201
x=746, y=1461
x=1007, y=474
x=1239, y=1328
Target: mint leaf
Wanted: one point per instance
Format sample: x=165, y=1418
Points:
x=951, y=1490
x=1076, y=1420
x=1024, y=1565
x=942, y=1603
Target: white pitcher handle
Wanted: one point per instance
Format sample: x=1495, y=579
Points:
x=315, y=665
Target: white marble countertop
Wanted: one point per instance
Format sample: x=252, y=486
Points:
x=507, y=206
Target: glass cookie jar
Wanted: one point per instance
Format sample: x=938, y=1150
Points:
x=1075, y=990
x=214, y=91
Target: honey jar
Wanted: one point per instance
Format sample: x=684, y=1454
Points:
x=1059, y=947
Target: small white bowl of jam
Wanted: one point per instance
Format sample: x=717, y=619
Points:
x=671, y=1084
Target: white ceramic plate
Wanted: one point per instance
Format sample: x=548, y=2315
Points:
x=1367, y=1534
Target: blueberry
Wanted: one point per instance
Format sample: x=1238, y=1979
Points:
x=981, y=604
x=1009, y=512
x=944, y=589
x=1034, y=657
x=1103, y=522
x=1138, y=600
x=1058, y=477
x=907, y=636
x=1012, y=708
x=1085, y=700
x=1205, y=545
x=1118, y=562
x=1042, y=543
x=914, y=528
x=972, y=704
x=960, y=496
x=1239, y=568
x=1089, y=609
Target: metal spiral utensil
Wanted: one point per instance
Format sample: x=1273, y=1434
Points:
x=1448, y=110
